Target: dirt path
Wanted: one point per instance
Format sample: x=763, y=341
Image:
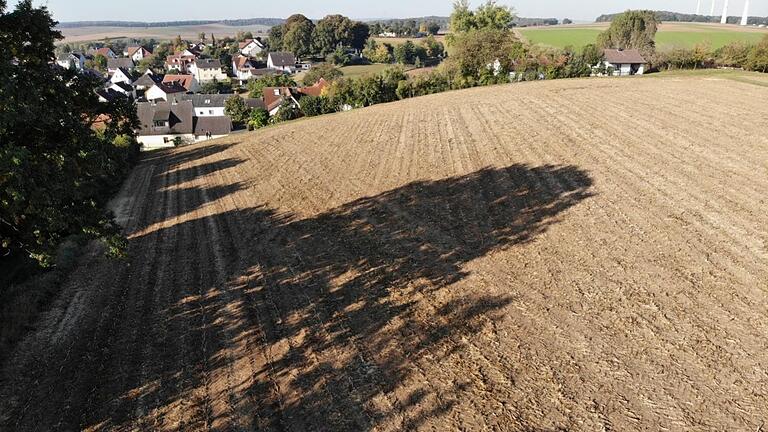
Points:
x=569, y=255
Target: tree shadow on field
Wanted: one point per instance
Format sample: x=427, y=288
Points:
x=343, y=317
x=346, y=306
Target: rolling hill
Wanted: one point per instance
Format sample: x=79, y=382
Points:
x=566, y=255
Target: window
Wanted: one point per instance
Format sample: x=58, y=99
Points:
x=161, y=123
x=210, y=112
x=277, y=92
x=207, y=101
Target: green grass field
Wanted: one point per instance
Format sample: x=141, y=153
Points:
x=670, y=36
x=359, y=70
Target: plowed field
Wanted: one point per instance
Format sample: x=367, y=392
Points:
x=566, y=255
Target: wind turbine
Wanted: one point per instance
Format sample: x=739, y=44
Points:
x=712, y=9
x=724, y=19
x=745, y=17
x=698, y=7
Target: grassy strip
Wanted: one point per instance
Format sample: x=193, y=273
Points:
x=21, y=303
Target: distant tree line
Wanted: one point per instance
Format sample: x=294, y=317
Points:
x=683, y=17
x=235, y=23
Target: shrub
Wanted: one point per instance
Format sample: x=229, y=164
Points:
x=316, y=105
x=258, y=119
x=325, y=70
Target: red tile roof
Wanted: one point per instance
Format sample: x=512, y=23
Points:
x=182, y=79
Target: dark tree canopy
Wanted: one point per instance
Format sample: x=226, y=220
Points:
x=56, y=171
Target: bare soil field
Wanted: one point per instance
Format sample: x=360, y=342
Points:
x=577, y=255
x=190, y=32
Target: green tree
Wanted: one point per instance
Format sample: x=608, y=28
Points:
x=338, y=57
x=287, y=112
x=56, y=172
x=276, y=35
x=215, y=87
x=179, y=44
x=330, y=32
x=405, y=53
x=474, y=51
x=256, y=87
x=379, y=53
x=359, y=34
x=258, y=118
x=433, y=47
x=237, y=110
x=324, y=70
x=433, y=28
x=297, y=36
x=592, y=55
x=99, y=63
x=316, y=105
x=631, y=30
x=487, y=16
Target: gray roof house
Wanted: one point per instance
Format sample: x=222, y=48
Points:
x=162, y=122
x=114, y=64
x=283, y=61
x=624, y=61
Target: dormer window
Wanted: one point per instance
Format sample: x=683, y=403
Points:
x=207, y=101
x=277, y=92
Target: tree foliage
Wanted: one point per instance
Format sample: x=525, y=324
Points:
x=237, y=110
x=258, y=118
x=56, y=171
x=297, y=35
x=631, y=30
x=256, y=87
x=488, y=16
x=326, y=71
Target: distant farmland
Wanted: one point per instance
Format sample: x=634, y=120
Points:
x=670, y=35
x=191, y=32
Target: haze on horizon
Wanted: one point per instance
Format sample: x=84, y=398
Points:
x=151, y=10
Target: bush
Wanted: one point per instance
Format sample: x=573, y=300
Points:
x=757, y=59
x=339, y=57
x=325, y=71
x=237, y=110
x=256, y=86
x=258, y=119
x=316, y=105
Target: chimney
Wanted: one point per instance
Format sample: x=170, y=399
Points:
x=745, y=17
x=724, y=18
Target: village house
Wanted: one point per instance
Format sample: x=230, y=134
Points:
x=164, y=91
x=71, y=60
x=162, y=122
x=114, y=64
x=179, y=62
x=106, y=52
x=283, y=61
x=251, y=47
x=189, y=82
x=206, y=70
x=624, y=61
x=121, y=75
x=245, y=69
x=107, y=95
x=137, y=53
x=275, y=96
x=122, y=88
x=147, y=80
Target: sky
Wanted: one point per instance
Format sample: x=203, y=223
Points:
x=154, y=10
